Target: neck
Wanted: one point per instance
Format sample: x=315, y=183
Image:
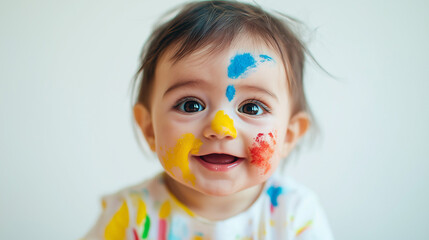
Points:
x=213, y=207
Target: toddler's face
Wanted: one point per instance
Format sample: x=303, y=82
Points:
x=220, y=120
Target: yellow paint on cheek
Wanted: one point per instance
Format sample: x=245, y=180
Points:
x=178, y=156
x=223, y=124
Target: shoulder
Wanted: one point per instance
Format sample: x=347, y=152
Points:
x=293, y=194
x=149, y=189
x=299, y=207
x=126, y=209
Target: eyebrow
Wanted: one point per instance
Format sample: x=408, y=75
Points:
x=199, y=83
x=258, y=89
x=187, y=83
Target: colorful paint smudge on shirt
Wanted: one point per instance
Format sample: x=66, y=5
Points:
x=146, y=227
x=222, y=124
x=262, y=150
x=178, y=228
x=303, y=228
x=141, y=211
x=164, y=212
x=141, y=215
x=274, y=192
x=178, y=156
x=116, y=229
x=198, y=236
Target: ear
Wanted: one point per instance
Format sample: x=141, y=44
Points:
x=297, y=127
x=144, y=120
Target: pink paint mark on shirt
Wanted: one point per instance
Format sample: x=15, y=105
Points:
x=271, y=208
x=162, y=229
x=136, y=236
x=262, y=150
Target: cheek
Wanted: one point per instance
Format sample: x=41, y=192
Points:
x=168, y=133
x=262, y=150
x=176, y=159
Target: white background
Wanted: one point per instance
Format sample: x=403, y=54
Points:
x=66, y=135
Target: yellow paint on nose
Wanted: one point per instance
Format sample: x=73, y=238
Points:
x=223, y=124
x=178, y=156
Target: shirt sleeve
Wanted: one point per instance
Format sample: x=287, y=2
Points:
x=310, y=221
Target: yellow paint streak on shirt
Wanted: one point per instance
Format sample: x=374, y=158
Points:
x=165, y=210
x=303, y=228
x=262, y=232
x=141, y=212
x=117, y=226
x=178, y=156
x=139, y=204
x=223, y=124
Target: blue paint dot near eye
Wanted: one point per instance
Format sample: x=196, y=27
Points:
x=274, y=193
x=240, y=63
x=230, y=92
x=265, y=58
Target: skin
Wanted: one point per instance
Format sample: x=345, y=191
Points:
x=220, y=195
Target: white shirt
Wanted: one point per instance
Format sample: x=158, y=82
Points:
x=284, y=210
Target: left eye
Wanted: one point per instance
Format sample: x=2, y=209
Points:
x=251, y=108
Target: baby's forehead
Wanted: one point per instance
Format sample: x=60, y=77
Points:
x=243, y=43
x=236, y=61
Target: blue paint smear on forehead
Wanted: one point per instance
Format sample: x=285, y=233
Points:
x=265, y=58
x=240, y=64
x=230, y=92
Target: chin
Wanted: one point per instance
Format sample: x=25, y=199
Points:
x=217, y=189
x=217, y=193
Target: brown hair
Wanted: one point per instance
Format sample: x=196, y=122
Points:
x=216, y=24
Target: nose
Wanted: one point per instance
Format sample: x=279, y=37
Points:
x=221, y=126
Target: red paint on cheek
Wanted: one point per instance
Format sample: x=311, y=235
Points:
x=262, y=150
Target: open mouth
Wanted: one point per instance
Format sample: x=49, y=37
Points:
x=219, y=162
x=218, y=158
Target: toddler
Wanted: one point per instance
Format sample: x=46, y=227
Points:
x=221, y=103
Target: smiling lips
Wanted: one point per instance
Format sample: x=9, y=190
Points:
x=219, y=162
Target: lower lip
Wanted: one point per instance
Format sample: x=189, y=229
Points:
x=219, y=167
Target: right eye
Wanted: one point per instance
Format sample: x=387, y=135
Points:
x=189, y=105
